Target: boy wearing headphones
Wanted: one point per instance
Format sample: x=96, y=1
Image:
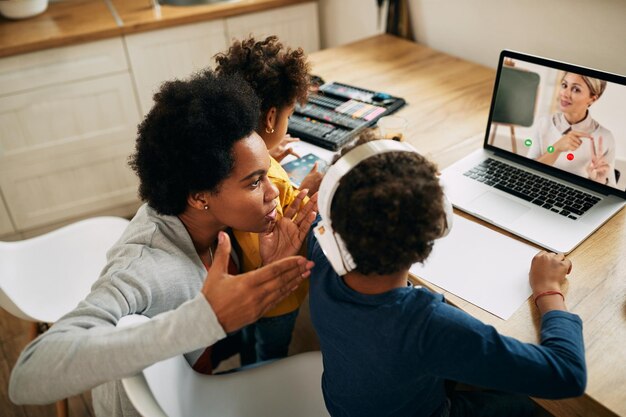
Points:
x=389, y=347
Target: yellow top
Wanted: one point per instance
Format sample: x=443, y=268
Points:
x=249, y=242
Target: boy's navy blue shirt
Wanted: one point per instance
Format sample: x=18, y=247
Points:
x=389, y=354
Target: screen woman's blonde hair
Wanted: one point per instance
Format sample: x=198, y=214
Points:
x=596, y=86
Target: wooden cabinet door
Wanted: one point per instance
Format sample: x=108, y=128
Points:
x=296, y=26
x=64, y=150
x=165, y=54
x=60, y=65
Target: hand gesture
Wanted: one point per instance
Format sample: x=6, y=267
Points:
x=598, y=169
x=285, y=237
x=280, y=151
x=238, y=300
x=570, y=141
x=312, y=180
x=547, y=271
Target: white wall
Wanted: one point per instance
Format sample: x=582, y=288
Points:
x=345, y=21
x=586, y=32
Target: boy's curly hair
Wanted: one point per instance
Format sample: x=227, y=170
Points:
x=185, y=142
x=279, y=75
x=389, y=210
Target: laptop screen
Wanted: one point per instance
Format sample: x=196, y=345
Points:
x=565, y=117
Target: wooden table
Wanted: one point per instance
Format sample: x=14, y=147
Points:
x=448, y=105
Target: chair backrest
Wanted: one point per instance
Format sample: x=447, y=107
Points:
x=620, y=168
x=45, y=277
x=285, y=388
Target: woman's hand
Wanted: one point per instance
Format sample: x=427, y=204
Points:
x=280, y=151
x=241, y=299
x=312, y=180
x=570, y=141
x=598, y=169
x=284, y=238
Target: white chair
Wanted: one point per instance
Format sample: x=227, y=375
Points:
x=45, y=277
x=620, y=172
x=285, y=388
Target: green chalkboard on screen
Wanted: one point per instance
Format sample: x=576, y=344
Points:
x=516, y=97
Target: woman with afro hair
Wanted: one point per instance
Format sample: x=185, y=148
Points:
x=202, y=170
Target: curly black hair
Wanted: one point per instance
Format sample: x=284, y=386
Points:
x=185, y=142
x=279, y=75
x=389, y=210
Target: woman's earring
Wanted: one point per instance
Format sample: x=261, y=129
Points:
x=269, y=130
x=206, y=207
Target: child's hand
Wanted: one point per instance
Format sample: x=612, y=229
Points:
x=312, y=180
x=280, y=151
x=547, y=271
x=284, y=238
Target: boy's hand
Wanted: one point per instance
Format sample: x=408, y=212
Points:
x=239, y=300
x=547, y=271
x=285, y=237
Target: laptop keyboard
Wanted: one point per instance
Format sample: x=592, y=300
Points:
x=550, y=195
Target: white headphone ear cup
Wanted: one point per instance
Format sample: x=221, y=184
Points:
x=348, y=260
x=326, y=239
x=449, y=216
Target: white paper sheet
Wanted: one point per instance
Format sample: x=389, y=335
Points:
x=481, y=266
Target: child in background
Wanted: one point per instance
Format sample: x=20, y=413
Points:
x=389, y=347
x=280, y=78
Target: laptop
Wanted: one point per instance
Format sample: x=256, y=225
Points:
x=552, y=168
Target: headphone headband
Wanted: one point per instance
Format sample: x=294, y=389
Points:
x=346, y=163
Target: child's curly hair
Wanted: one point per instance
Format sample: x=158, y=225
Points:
x=388, y=210
x=279, y=75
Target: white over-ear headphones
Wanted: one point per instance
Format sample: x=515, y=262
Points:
x=331, y=243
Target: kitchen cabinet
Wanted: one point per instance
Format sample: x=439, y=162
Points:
x=164, y=54
x=59, y=65
x=64, y=143
x=69, y=115
x=5, y=222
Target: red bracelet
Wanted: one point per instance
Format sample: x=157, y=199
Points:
x=541, y=294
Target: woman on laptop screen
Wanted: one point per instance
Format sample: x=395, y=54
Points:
x=570, y=139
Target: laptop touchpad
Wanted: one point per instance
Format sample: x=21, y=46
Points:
x=497, y=208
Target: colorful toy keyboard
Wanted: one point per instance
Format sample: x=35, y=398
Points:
x=338, y=112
